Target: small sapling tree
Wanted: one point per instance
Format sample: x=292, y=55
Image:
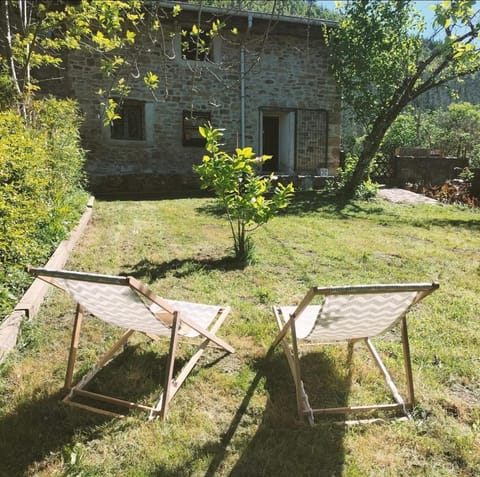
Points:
x=249, y=199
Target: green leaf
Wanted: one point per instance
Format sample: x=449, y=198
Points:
x=151, y=80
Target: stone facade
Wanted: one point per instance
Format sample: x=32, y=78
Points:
x=269, y=86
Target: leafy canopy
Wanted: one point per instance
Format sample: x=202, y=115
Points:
x=301, y=8
x=382, y=62
x=454, y=130
x=37, y=34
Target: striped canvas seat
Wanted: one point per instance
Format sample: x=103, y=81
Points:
x=351, y=314
x=345, y=317
x=127, y=303
x=122, y=306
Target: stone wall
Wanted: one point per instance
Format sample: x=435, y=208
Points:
x=426, y=170
x=476, y=183
x=286, y=75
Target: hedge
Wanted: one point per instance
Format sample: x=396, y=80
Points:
x=41, y=188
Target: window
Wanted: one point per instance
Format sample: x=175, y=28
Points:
x=192, y=120
x=131, y=125
x=197, y=45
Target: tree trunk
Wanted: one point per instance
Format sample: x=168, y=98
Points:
x=362, y=168
x=369, y=150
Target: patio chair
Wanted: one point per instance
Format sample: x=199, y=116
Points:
x=127, y=303
x=350, y=314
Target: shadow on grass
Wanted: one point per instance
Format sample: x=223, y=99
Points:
x=42, y=426
x=302, y=203
x=149, y=271
x=132, y=375
x=285, y=446
x=313, y=201
x=138, y=374
x=334, y=206
x=38, y=427
x=282, y=445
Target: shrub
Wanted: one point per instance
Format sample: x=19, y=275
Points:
x=366, y=190
x=7, y=89
x=41, y=193
x=249, y=199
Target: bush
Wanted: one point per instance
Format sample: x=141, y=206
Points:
x=7, y=90
x=41, y=194
x=365, y=191
x=249, y=199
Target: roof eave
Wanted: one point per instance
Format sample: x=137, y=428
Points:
x=234, y=12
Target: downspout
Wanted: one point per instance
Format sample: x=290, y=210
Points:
x=242, y=85
x=242, y=96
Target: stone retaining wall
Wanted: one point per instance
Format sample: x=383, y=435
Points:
x=427, y=171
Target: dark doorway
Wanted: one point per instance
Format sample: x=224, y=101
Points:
x=270, y=142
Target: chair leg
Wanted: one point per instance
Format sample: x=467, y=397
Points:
x=388, y=379
x=408, y=363
x=289, y=354
x=307, y=409
x=297, y=377
x=170, y=364
x=303, y=405
x=72, y=356
x=173, y=385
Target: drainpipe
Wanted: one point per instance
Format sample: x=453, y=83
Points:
x=242, y=96
x=242, y=85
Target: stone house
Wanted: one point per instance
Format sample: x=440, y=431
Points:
x=268, y=86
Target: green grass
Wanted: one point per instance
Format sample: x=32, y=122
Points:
x=237, y=416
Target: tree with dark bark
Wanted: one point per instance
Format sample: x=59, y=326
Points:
x=383, y=62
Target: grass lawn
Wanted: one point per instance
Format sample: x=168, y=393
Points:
x=236, y=416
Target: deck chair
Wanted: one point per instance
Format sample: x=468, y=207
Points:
x=127, y=303
x=349, y=314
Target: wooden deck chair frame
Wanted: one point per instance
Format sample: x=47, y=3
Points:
x=169, y=317
x=287, y=326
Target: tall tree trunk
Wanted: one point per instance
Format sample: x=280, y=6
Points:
x=8, y=30
x=369, y=150
x=365, y=159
